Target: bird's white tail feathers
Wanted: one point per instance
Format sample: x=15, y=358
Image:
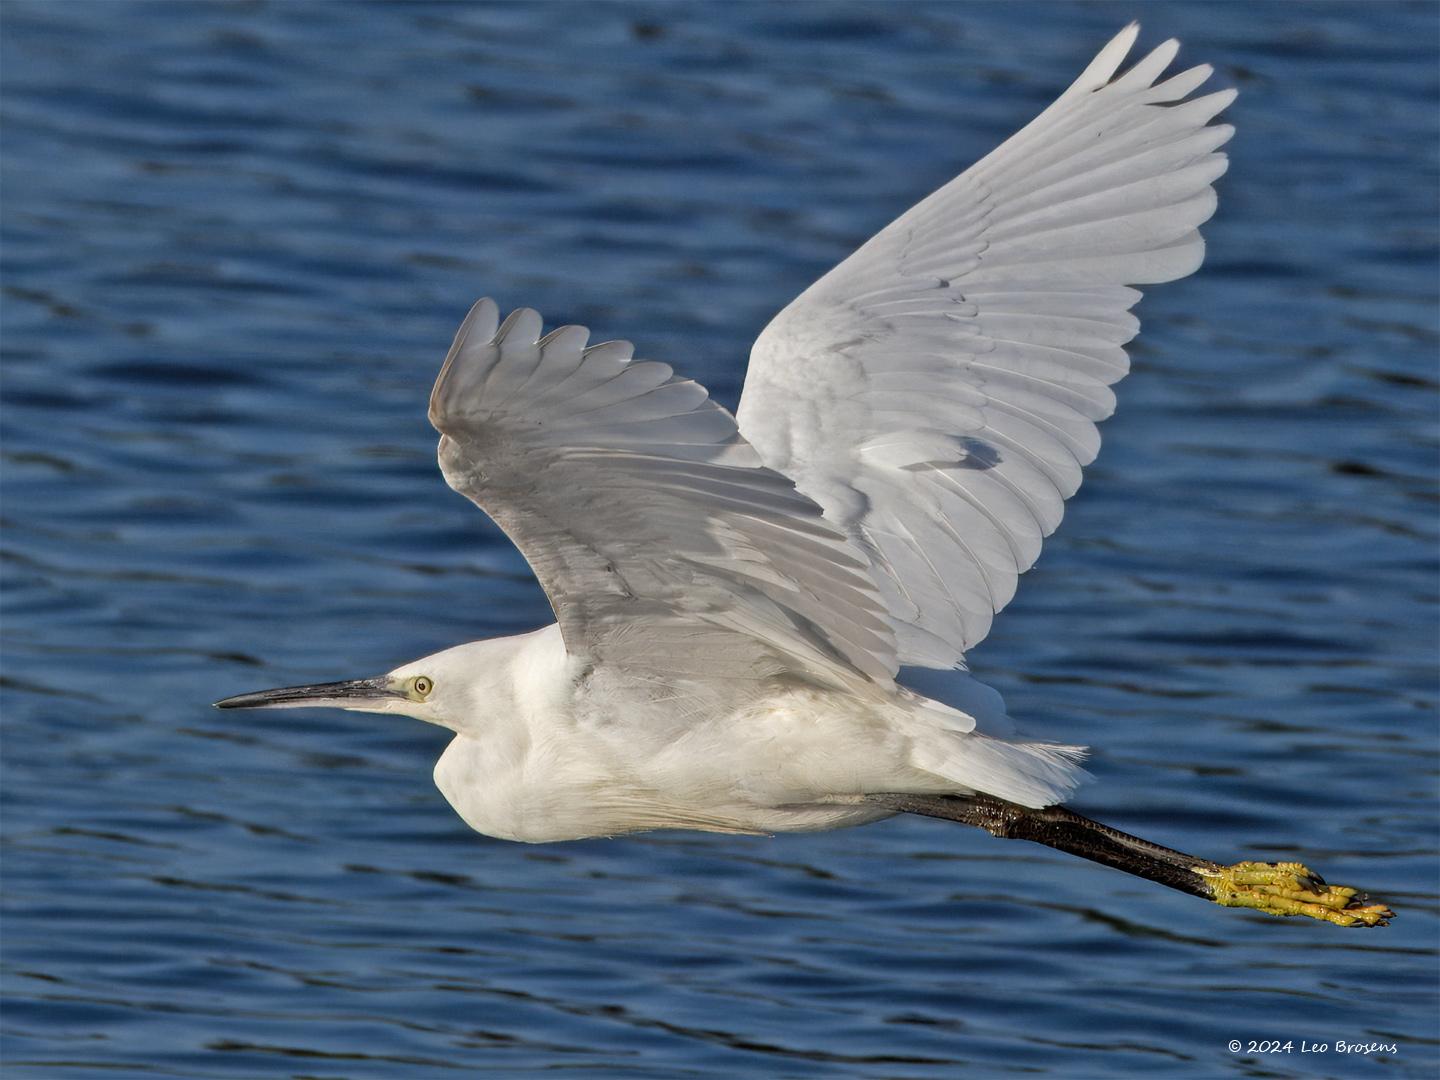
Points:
x=968, y=745
x=1029, y=773
x=952, y=744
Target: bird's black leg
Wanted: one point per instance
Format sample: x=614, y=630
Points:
x=1276, y=888
x=1061, y=828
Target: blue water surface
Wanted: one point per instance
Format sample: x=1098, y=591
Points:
x=237, y=238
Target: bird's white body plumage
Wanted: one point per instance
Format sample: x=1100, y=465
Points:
x=734, y=602
x=549, y=747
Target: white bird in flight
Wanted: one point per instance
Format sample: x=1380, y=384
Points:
x=735, y=596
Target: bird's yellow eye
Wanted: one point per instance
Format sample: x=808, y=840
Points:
x=421, y=686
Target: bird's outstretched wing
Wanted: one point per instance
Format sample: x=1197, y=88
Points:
x=663, y=543
x=937, y=392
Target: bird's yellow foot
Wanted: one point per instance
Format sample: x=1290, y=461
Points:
x=1291, y=889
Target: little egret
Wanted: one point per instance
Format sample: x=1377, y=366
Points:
x=735, y=594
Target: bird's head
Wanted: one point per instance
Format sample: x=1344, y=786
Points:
x=448, y=688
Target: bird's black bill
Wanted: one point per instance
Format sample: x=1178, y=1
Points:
x=353, y=693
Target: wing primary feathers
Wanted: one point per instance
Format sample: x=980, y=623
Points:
x=994, y=311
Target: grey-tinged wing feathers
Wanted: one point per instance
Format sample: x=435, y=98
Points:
x=663, y=543
x=937, y=392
